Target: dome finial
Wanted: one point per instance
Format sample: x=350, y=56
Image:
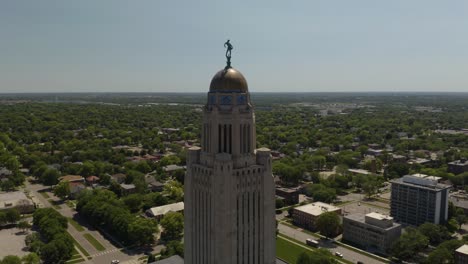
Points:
x=229, y=47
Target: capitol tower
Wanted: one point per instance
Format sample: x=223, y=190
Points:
x=229, y=189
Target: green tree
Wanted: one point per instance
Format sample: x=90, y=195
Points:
x=452, y=225
x=435, y=233
x=141, y=231
x=173, y=189
x=11, y=260
x=321, y=193
x=279, y=203
x=24, y=225
x=409, y=244
x=50, y=177
x=328, y=224
x=12, y=215
x=440, y=255
x=370, y=187
x=174, y=247
x=62, y=190
x=461, y=219
x=31, y=258
x=173, y=225
x=133, y=202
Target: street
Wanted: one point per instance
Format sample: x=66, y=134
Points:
x=111, y=251
x=347, y=253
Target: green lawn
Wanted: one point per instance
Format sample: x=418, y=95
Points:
x=79, y=246
x=45, y=195
x=71, y=204
x=75, y=224
x=94, y=242
x=75, y=261
x=287, y=251
x=54, y=204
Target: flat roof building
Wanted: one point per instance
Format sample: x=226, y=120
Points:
x=458, y=166
x=16, y=200
x=373, y=232
x=416, y=199
x=290, y=195
x=306, y=215
x=160, y=211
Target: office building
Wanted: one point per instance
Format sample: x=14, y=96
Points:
x=373, y=232
x=306, y=215
x=417, y=199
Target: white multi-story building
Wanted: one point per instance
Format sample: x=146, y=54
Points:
x=229, y=189
x=419, y=198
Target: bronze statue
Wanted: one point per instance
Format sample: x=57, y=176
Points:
x=229, y=47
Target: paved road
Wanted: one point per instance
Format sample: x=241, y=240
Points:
x=347, y=253
x=112, y=251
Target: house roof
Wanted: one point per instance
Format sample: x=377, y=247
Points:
x=71, y=178
x=76, y=187
x=119, y=176
x=173, y=167
x=5, y=171
x=92, y=178
x=162, y=210
x=127, y=186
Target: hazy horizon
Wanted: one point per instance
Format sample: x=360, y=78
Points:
x=304, y=46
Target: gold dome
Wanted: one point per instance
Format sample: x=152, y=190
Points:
x=228, y=80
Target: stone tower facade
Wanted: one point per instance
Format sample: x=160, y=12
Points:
x=229, y=188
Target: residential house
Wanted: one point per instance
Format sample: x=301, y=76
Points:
x=159, y=211
x=119, y=177
x=128, y=188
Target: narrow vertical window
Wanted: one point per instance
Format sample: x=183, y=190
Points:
x=230, y=139
x=219, y=138
x=225, y=139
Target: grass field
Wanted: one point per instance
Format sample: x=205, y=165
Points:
x=75, y=224
x=79, y=246
x=287, y=251
x=94, y=242
x=76, y=257
x=45, y=195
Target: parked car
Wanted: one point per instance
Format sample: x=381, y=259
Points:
x=338, y=254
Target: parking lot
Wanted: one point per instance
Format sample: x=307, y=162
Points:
x=12, y=241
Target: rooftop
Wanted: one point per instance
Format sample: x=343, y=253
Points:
x=11, y=199
x=463, y=249
x=317, y=208
x=162, y=210
x=173, y=167
x=378, y=216
x=71, y=178
x=429, y=182
x=127, y=186
x=377, y=220
x=459, y=162
x=359, y=171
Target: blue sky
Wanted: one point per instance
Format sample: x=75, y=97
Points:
x=177, y=46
